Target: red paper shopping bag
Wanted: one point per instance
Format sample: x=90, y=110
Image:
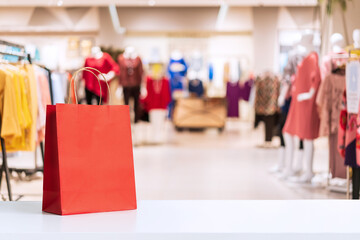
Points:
x=88, y=159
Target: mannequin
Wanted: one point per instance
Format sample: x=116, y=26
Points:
x=308, y=76
x=267, y=87
x=337, y=43
x=296, y=55
x=177, y=69
x=131, y=75
x=156, y=102
x=105, y=64
x=195, y=75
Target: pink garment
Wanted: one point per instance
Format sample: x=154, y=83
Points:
x=329, y=102
x=303, y=119
x=44, y=99
x=328, y=62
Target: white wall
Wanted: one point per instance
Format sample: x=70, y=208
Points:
x=265, y=38
x=352, y=19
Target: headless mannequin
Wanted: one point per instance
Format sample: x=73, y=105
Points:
x=91, y=97
x=131, y=91
x=97, y=53
x=291, y=141
x=177, y=56
x=298, y=54
x=195, y=73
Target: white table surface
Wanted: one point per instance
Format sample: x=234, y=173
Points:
x=303, y=219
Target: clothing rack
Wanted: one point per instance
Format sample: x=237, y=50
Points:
x=4, y=166
x=22, y=55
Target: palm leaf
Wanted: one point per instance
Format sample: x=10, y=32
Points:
x=330, y=4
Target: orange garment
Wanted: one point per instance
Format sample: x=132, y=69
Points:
x=303, y=118
x=33, y=105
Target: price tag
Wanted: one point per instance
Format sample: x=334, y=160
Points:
x=353, y=86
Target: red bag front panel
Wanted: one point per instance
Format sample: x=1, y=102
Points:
x=96, y=169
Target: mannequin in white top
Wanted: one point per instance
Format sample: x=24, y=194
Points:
x=291, y=141
x=356, y=38
x=97, y=53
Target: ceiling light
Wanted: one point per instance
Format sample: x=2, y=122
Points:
x=151, y=3
x=60, y=3
x=116, y=20
x=221, y=16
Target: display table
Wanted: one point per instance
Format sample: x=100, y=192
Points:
x=182, y=220
x=200, y=113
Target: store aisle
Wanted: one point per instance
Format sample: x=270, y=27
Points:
x=208, y=165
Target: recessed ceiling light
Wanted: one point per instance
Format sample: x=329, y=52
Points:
x=151, y=3
x=60, y=3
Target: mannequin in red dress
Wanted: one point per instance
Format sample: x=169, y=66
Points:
x=105, y=64
x=303, y=120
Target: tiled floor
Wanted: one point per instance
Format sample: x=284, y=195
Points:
x=205, y=165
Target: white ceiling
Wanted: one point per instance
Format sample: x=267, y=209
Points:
x=165, y=3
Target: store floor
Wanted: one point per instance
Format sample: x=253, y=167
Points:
x=205, y=165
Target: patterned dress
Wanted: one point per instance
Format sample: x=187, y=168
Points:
x=267, y=93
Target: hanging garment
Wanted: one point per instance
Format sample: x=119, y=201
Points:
x=211, y=72
x=267, y=93
x=59, y=87
x=226, y=73
x=44, y=99
x=10, y=126
x=347, y=135
x=33, y=103
x=196, y=87
x=104, y=64
x=177, y=67
x=177, y=70
x=329, y=103
x=347, y=144
x=18, y=111
x=131, y=71
x=23, y=112
x=158, y=94
x=246, y=90
x=233, y=93
x=303, y=118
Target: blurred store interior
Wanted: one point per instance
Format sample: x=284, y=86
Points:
x=231, y=99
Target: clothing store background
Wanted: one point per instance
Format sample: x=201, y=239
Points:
x=222, y=163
